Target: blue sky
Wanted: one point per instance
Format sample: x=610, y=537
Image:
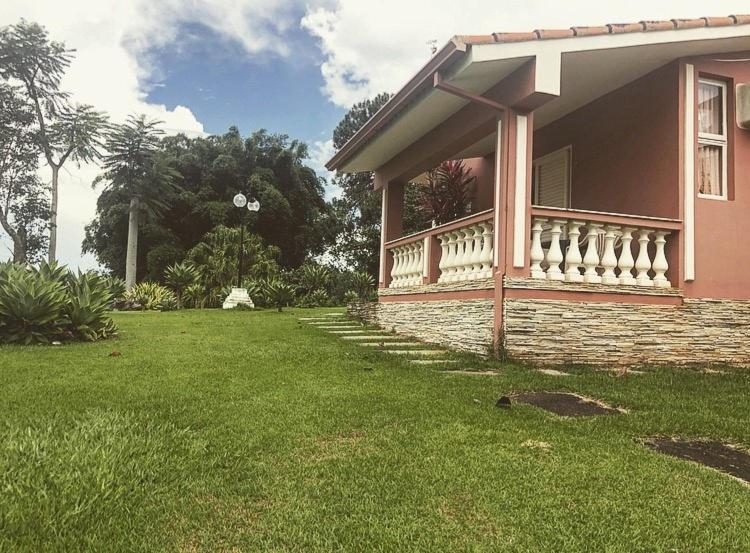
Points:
x=223, y=86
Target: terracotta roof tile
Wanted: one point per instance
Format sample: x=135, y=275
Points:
x=610, y=28
x=589, y=31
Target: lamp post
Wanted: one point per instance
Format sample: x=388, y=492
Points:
x=239, y=295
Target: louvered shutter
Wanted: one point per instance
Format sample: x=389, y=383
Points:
x=552, y=179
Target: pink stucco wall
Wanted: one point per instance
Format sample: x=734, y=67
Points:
x=625, y=147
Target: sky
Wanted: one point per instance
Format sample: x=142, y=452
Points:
x=289, y=66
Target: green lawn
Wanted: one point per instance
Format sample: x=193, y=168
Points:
x=248, y=431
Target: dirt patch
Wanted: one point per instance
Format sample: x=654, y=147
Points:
x=338, y=446
x=722, y=457
x=564, y=404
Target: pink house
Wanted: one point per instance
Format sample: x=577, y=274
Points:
x=610, y=219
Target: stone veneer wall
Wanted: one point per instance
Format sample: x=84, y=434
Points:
x=464, y=325
x=598, y=333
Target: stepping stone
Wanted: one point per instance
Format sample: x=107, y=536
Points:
x=564, y=404
x=722, y=457
x=389, y=344
x=419, y=352
x=370, y=337
x=469, y=372
x=622, y=372
x=432, y=361
x=362, y=331
x=552, y=372
x=334, y=314
x=339, y=327
x=313, y=319
x=329, y=322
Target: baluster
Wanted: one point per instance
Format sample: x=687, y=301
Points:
x=643, y=263
x=485, y=256
x=394, y=268
x=443, y=257
x=626, y=263
x=573, y=257
x=554, y=254
x=660, y=265
x=413, y=260
x=450, y=265
x=591, y=259
x=461, y=255
x=419, y=265
x=536, y=255
x=476, y=252
x=609, y=259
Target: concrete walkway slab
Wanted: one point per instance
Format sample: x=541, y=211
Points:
x=553, y=372
x=370, y=337
x=389, y=344
x=432, y=361
x=418, y=352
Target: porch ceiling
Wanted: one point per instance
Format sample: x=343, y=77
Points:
x=574, y=71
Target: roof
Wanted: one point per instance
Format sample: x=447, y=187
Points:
x=460, y=45
x=608, y=29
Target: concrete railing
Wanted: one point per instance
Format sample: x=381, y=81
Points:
x=600, y=248
x=456, y=251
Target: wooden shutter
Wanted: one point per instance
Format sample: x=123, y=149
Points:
x=552, y=179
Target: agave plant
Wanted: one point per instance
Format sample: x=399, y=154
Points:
x=362, y=283
x=194, y=296
x=86, y=308
x=31, y=307
x=52, y=271
x=179, y=276
x=150, y=296
x=314, y=277
x=279, y=293
x=116, y=287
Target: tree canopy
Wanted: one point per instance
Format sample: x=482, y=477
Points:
x=293, y=216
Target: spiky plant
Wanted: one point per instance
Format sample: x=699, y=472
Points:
x=179, y=276
x=279, y=293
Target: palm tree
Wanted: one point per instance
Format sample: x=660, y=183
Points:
x=134, y=165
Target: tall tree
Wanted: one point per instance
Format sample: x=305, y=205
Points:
x=133, y=166
x=23, y=204
x=65, y=131
x=271, y=168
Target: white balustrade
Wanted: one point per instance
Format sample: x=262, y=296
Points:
x=466, y=253
x=608, y=256
x=408, y=263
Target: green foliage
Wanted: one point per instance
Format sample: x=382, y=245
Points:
x=45, y=304
x=279, y=293
x=445, y=196
x=270, y=168
x=313, y=277
x=116, y=287
x=350, y=297
x=316, y=298
x=362, y=284
x=194, y=296
x=180, y=276
x=151, y=296
x=89, y=299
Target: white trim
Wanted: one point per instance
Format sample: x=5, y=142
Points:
x=498, y=194
x=519, y=210
x=426, y=255
x=382, y=235
x=540, y=161
x=721, y=140
x=689, y=172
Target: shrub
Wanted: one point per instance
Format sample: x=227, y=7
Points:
x=256, y=289
x=350, y=297
x=362, y=283
x=48, y=303
x=87, y=306
x=313, y=277
x=194, y=296
x=151, y=296
x=279, y=293
x=116, y=287
x=316, y=298
x=31, y=307
x=179, y=276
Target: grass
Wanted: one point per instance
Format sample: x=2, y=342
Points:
x=248, y=431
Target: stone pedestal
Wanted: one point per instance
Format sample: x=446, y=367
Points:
x=236, y=297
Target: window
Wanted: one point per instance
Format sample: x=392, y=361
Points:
x=712, y=139
x=551, y=179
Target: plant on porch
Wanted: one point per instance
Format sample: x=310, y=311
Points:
x=446, y=194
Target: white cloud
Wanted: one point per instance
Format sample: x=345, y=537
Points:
x=320, y=152
x=111, y=69
x=376, y=47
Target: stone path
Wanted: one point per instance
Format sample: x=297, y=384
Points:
x=402, y=346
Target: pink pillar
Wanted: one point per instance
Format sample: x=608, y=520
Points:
x=391, y=227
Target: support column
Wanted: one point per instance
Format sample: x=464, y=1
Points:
x=391, y=226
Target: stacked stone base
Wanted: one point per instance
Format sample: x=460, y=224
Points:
x=464, y=325
x=604, y=333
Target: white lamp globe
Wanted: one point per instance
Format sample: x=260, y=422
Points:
x=254, y=205
x=239, y=200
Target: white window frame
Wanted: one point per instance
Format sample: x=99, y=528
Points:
x=721, y=140
x=540, y=161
